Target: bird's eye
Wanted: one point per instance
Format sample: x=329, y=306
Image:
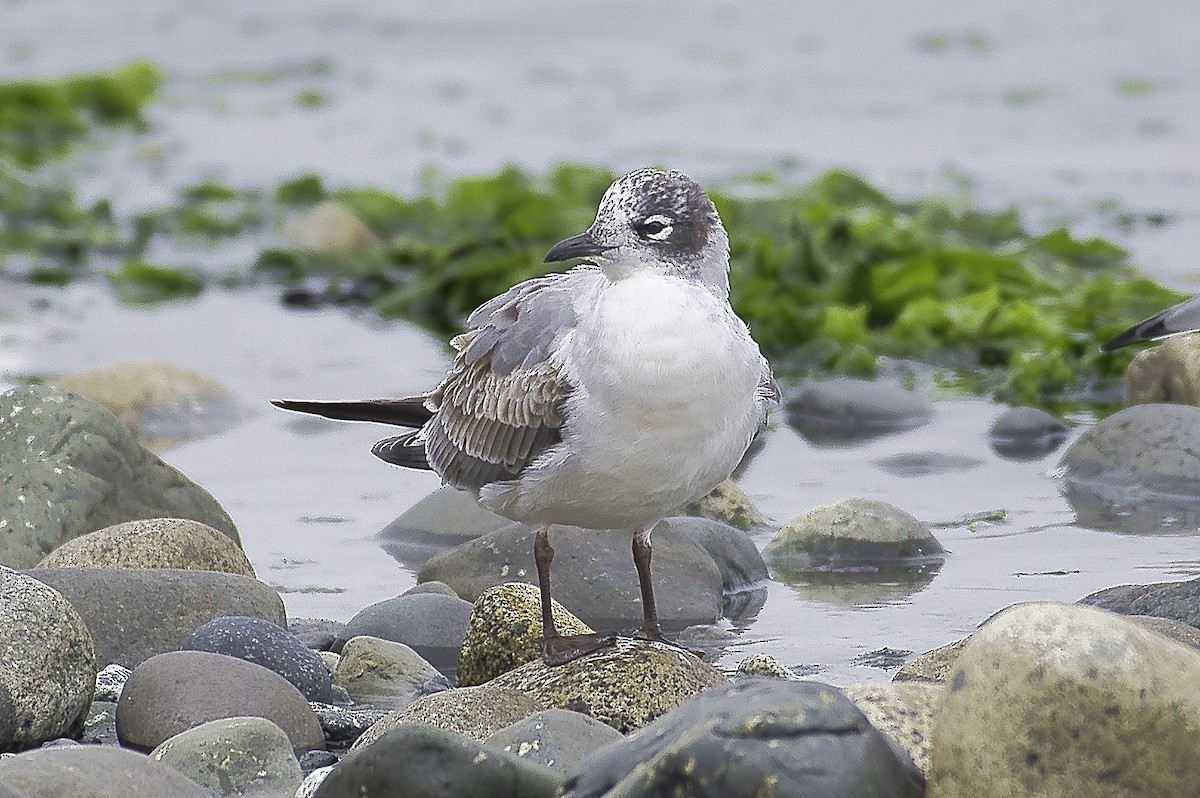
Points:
x=656, y=227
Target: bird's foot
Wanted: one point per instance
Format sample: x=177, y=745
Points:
x=561, y=649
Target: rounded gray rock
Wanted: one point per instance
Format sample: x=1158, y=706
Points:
x=124, y=607
x=264, y=643
x=48, y=667
x=153, y=543
x=1066, y=701
x=1026, y=433
x=1136, y=467
x=593, y=574
x=384, y=673
x=234, y=756
x=432, y=624
x=71, y=468
x=557, y=738
x=93, y=771
x=173, y=692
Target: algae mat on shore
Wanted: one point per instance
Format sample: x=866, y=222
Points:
x=831, y=275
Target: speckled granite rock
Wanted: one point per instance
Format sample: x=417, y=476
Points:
x=753, y=738
x=764, y=665
x=385, y=674
x=904, y=712
x=73, y=468
x=264, y=643
x=418, y=760
x=477, y=712
x=153, y=543
x=1066, y=701
x=626, y=686
x=557, y=738
x=135, y=613
x=173, y=692
x=47, y=664
x=932, y=666
x=506, y=631
x=234, y=756
x=93, y=771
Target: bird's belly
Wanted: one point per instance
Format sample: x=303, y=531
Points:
x=665, y=409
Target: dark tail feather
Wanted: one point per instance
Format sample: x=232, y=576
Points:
x=402, y=451
x=408, y=412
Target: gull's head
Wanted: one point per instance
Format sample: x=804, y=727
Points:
x=657, y=221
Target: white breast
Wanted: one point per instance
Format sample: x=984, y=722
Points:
x=664, y=409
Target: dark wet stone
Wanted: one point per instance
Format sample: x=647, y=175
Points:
x=1178, y=601
x=1117, y=599
x=446, y=518
x=732, y=550
x=318, y=634
x=414, y=759
x=593, y=574
x=135, y=613
x=883, y=658
x=71, y=468
x=317, y=759
x=844, y=410
x=430, y=587
x=264, y=643
x=173, y=692
x=431, y=624
x=1026, y=433
x=557, y=738
x=47, y=664
x=343, y=725
x=92, y=771
x=756, y=737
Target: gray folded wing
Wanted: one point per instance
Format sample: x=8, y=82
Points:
x=1181, y=318
x=502, y=403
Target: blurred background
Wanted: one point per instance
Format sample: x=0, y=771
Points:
x=1078, y=116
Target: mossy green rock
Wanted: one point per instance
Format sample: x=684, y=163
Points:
x=506, y=631
x=70, y=467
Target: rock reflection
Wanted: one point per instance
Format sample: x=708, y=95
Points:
x=864, y=586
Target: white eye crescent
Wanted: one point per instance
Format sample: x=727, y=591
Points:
x=657, y=227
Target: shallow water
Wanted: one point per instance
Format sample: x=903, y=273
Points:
x=1074, y=114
